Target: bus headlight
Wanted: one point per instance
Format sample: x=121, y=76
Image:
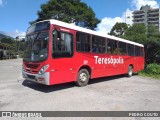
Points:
x=43, y=69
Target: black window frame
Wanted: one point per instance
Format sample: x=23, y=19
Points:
x=83, y=44
x=122, y=48
x=140, y=51
x=113, y=48
x=98, y=47
x=129, y=50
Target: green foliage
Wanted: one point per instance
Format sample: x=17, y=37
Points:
x=136, y=33
x=153, y=32
x=7, y=41
x=69, y=11
x=21, y=46
x=152, y=50
x=118, y=29
x=152, y=44
x=152, y=70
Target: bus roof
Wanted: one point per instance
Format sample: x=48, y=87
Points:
x=74, y=27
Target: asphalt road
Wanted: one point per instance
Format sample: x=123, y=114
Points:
x=118, y=93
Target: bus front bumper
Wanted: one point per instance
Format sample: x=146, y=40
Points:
x=43, y=79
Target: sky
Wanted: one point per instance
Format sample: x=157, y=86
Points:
x=15, y=15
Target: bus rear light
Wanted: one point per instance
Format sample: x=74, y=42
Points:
x=43, y=69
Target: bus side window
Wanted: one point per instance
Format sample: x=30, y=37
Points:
x=142, y=52
x=108, y=48
x=54, y=41
x=122, y=48
x=98, y=44
x=82, y=42
x=112, y=47
x=130, y=49
x=62, y=44
x=59, y=42
x=104, y=42
x=95, y=48
x=138, y=51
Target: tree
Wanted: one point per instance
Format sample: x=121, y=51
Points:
x=21, y=46
x=152, y=49
x=136, y=33
x=7, y=40
x=153, y=44
x=118, y=29
x=71, y=11
x=153, y=33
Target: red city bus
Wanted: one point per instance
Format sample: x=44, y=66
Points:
x=58, y=52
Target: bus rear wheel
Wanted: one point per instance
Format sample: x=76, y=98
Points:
x=130, y=71
x=83, y=78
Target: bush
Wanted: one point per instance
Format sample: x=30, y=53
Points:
x=152, y=70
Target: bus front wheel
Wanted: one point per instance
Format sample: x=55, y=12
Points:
x=83, y=78
x=130, y=71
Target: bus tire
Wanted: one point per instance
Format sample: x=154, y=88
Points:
x=130, y=71
x=82, y=78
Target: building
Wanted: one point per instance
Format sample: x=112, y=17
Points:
x=146, y=15
x=129, y=17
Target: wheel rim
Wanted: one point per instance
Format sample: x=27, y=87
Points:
x=83, y=77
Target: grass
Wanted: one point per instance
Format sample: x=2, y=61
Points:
x=152, y=70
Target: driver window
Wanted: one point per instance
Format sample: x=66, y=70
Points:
x=62, y=44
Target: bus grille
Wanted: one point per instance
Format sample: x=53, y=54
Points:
x=33, y=66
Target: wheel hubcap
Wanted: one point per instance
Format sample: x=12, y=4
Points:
x=130, y=72
x=83, y=77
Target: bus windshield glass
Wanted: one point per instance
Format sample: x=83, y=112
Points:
x=36, y=47
x=39, y=27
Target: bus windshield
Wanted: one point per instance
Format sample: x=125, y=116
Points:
x=36, y=47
